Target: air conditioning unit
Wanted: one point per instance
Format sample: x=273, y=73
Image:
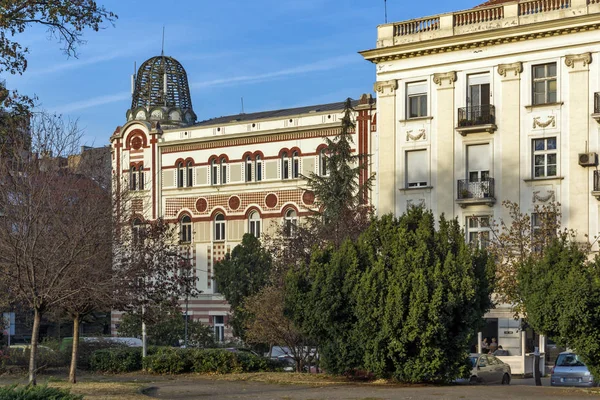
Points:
x=588, y=159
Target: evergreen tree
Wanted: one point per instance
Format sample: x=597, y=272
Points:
x=403, y=301
x=241, y=274
x=340, y=197
x=561, y=293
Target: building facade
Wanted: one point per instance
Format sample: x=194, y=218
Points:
x=499, y=102
x=223, y=177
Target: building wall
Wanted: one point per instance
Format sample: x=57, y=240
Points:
x=237, y=196
x=500, y=45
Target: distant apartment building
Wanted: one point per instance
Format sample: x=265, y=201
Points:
x=499, y=102
x=223, y=177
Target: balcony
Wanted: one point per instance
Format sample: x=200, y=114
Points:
x=476, y=119
x=596, y=189
x=596, y=114
x=478, y=21
x=474, y=193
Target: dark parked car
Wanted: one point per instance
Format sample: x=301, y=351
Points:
x=488, y=369
x=569, y=370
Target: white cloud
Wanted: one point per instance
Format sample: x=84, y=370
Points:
x=93, y=102
x=323, y=65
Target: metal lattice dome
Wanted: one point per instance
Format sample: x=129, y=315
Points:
x=160, y=92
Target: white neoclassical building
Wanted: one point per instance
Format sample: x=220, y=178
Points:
x=223, y=177
x=499, y=102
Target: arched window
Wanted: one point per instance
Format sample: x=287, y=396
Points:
x=285, y=166
x=189, y=174
x=141, y=178
x=258, y=169
x=185, y=230
x=136, y=230
x=295, y=165
x=254, y=224
x=180, y=173
x=219, y=227
x=133, y=178
x=290, y=223
x=323, y=163
x=214, y=172
x=223, y=171
x=248, y=169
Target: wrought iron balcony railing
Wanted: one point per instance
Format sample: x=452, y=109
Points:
x=483, y=189
x=476, y=115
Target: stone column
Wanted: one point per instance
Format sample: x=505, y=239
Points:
x=444, y=181
x=509, y=130
x=386, y=158
x=578, y=134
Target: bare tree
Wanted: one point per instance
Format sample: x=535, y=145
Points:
x=268, y=324
x=50, y=222
x=150, y=266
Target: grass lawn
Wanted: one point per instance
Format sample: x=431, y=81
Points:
x=105, y=390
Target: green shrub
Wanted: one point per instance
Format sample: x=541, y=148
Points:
x=169, y=361
x=86, y=349
x=16, y=392
x=45, y=357
x=176, y=361
x=117, y=360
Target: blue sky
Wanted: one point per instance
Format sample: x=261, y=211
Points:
x=273, y=53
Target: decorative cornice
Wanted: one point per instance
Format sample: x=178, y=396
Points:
x=585, y=58
x=398, y=55
x=513, y=69
x=386, y=87
x=439, y=78
x=250, y=140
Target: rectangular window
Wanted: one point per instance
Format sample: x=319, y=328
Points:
x=417, y=168
x=255, y=228
x=223, y=174
x=285, y=168
x=219, y=327
x=544, y=226
x=544, y=83
x=416, y=99
x=545, y=157
x=478, y=230
x=214, y=174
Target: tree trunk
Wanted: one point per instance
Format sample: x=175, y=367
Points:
x=37, y=316
x=74, y=350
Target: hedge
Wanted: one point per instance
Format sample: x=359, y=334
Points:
x=16, y=392
x=120, y=359
x=177, y=361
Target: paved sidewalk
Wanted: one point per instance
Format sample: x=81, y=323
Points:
x=227, y=390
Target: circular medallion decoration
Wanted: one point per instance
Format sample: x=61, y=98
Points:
x=308, y=197
x=201, y=204
x=136, y=143
x=271, y=200
x=234, y=202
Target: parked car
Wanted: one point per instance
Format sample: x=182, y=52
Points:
x=241, y=350
x=569, y=370
x=488, y=369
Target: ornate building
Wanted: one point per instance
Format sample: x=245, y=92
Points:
x=499, y=102
x=220, y=178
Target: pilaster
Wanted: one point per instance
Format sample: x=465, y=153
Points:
x=445, y=123
x=578, y=135
x=509, y=133
x=386, y=131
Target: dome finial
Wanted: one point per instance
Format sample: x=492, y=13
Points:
x=161, y=93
